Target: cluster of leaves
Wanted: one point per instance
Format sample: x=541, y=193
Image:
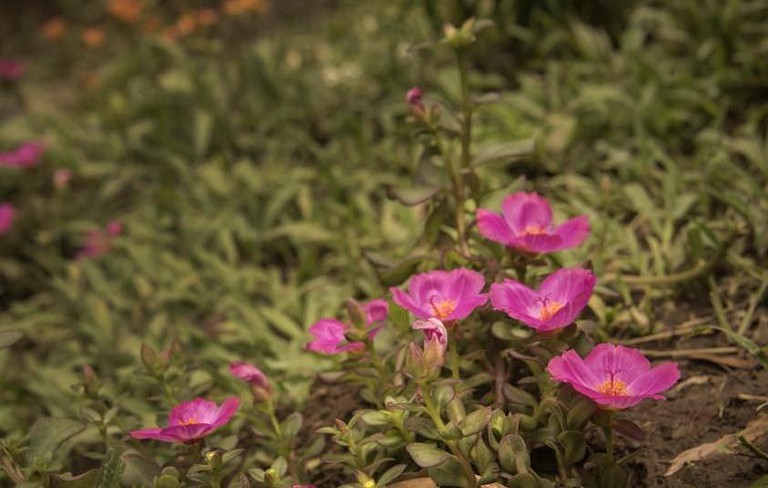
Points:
x=252, y=179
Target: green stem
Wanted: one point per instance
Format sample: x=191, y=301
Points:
x=453, y=445
x=466, y=108
x=453, y=353
x=609, y=439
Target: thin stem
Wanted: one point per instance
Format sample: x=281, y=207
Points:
x=466, y=467
x=609, y=439
x=466, y=108
x=453, y=354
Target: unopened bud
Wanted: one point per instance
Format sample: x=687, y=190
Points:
x=90, y=382
x=213, y=458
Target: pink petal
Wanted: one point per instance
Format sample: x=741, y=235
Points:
x=658, y=379
x=537, y=243
x=376, y=311
x=155, y=433
x=517, y=300
x=250, y=373
x=329, y=334
x=198, y=410
x=493, y=227
x=7, y=215
x=522, y=210
x=566, y=284
x=619, y=362
x=408, y=303
x=573, y=232
x=570, y=368
x=185, y=433
x=225, y=412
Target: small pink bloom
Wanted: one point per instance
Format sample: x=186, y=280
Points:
x=98, y=241
x=446, y=295
x=114, y=227
x=330, y=338
x=11, y=69
x=7, y=214
x=191, y=421
x=61, y=178
x=556, y=304
x=614, y=376
x=27, y=154
x=250, y=374
x=434, y=330
x=330, y=335
x=413, y=97
x=526, y=224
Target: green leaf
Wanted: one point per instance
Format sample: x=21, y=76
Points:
x=513, y=454
x=414, y=195
x=9, y=337
x=503, y=152
x=88, y=479
x=390, y=475
x=46, y=436
x=448, y=473
x=112, y=470
x=574, y=446
x=475, y=421
x=139, y=470
x=292, y=425
x=427, y=455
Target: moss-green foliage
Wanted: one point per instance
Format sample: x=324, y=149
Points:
x=250, y=176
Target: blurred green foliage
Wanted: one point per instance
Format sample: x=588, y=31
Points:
x=251, y=174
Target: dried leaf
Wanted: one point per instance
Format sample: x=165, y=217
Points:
x=754, y=431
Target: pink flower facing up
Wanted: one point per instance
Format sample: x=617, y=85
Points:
x=526, y=224
x=556, y=304
x=191, y=421
x=24, y=156
x=445, y=295
x=7, y=214
x=614, y=377
x=329, y=334
x=11, y=69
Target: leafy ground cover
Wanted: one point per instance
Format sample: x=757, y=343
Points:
x=212, y=181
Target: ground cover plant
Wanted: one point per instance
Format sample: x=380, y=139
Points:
x=411, y=244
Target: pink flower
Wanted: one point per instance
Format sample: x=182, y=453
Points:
x=98, y=241
x=250, y=374
x=434, y=330
x=614, y=376
x=330, y=334
x=556, y=304
x=26, y=155
x=413, y=97
x=114, y=227
x=191, y=421
x=11, y=69
x=7, y=214
x=446, y=295
x=330, y=338
x=61, y=178
x=526, y=224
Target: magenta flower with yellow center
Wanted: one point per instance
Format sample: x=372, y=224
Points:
x=445, y=295
x=526, y=224
x=556, y=304
x=191, y=421
x=614, y=377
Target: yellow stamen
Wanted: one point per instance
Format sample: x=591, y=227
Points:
x=613, y=387
x=443, y=308
x=533, y=230
x=189, y=421
x=549, y=309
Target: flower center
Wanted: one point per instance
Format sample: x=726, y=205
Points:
x=189, y=421
x=549, y=308
x=613, y=387
x=442, y=308
x=533, y=230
